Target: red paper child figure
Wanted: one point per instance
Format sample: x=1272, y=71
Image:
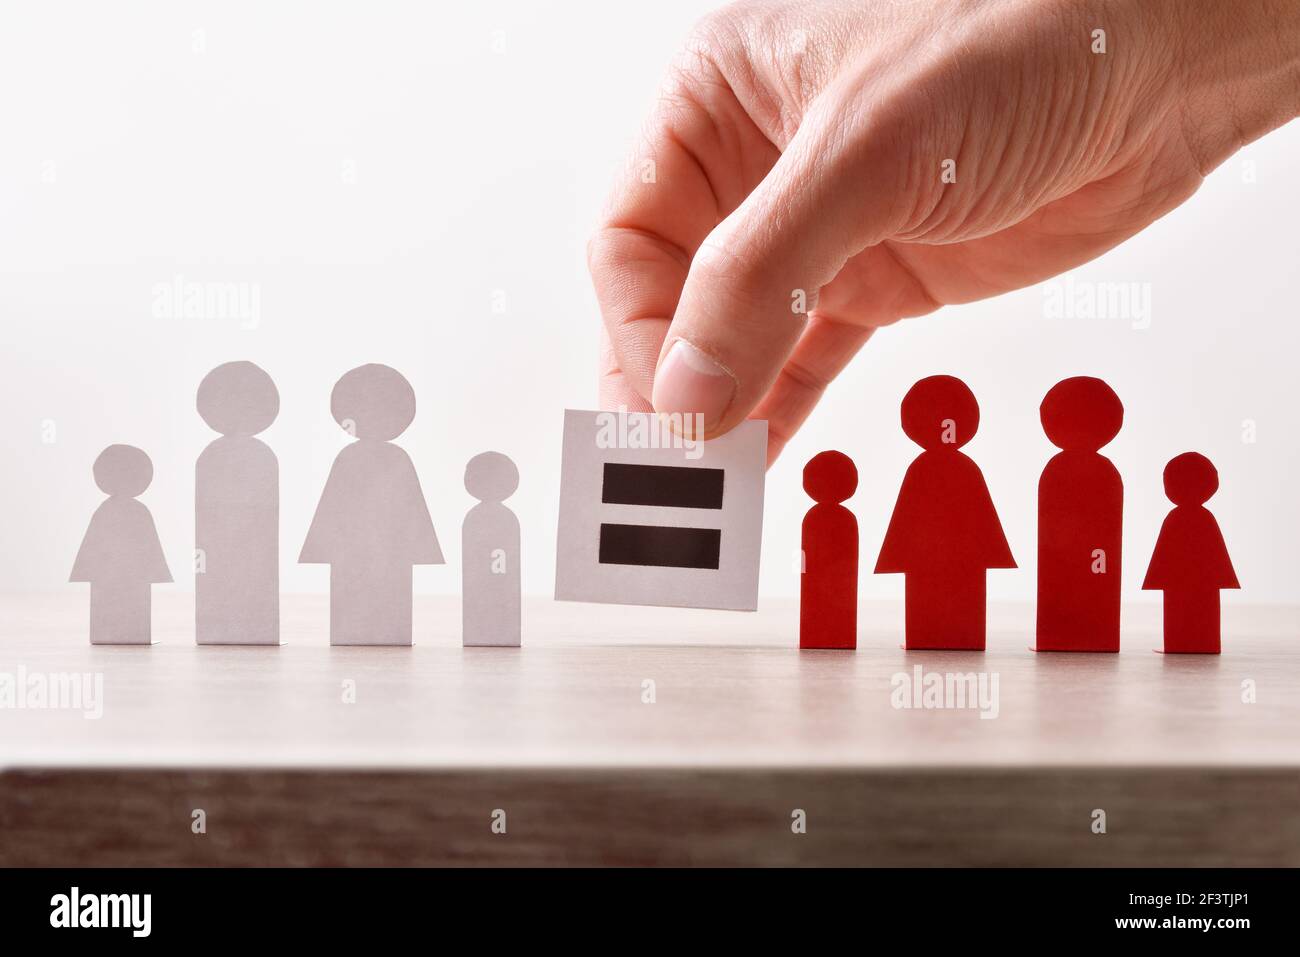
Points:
x=944, y=534
x=121, y=556
x=1080, y=520
x=828, y=591
x=1191, y=562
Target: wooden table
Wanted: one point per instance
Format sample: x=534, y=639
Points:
x=592, y=764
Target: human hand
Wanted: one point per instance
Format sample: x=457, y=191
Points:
x=814, y=170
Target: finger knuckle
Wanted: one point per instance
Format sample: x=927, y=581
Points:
x=599, y=256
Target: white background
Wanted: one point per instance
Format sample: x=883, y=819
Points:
x=378, y=170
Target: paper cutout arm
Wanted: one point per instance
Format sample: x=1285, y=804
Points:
x=322, y=545
x=988, y=538
x=422, y=541
x=897, y=553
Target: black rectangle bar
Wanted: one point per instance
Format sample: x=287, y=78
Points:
x=666, y=546
x=669, y=485
x=1027, y=905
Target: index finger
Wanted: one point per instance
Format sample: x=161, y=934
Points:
x=698, y=156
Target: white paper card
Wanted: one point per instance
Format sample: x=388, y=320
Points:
x=637, y=528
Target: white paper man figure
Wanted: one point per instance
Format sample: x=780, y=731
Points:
x=237, y=512
x=490, y=554
x=372, y=524
x=121, y=556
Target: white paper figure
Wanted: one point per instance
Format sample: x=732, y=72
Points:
x=490, y=554
x=372, y=524
x=121, y=556
x=237, y=512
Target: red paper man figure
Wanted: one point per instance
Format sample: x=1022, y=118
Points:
x=828, y=591
x=1080, y=520
x=1191, y=562
x=944, y=534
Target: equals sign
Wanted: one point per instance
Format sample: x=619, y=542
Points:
x=664, y=486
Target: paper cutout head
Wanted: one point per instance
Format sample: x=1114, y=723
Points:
x=1190, y=479
x=373, y=402
x=1081, y=414
x=491, y=477
x=940, y=412
x=830, y=477
x=123, y=470
x=238, y=398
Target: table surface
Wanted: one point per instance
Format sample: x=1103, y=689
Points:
x=729, y=690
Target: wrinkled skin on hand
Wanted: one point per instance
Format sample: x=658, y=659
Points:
x=885, y=159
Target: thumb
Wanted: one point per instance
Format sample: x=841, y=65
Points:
x=756, y=276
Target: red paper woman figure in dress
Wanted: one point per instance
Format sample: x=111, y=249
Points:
x=1191, y=562
x=944, y=534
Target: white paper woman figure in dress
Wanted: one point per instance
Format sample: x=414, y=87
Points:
x=121, y=556
x=490, y=554
x=372, y=524
x=237, y=512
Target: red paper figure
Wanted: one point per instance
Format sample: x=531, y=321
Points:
x=1080, y=520
x=1191, y=562
x=944, y=534
x=828, y=591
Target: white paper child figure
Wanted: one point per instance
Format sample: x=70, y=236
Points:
x=490, y=554
x=372, y=524
x=121, y=556
x=237, y=512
